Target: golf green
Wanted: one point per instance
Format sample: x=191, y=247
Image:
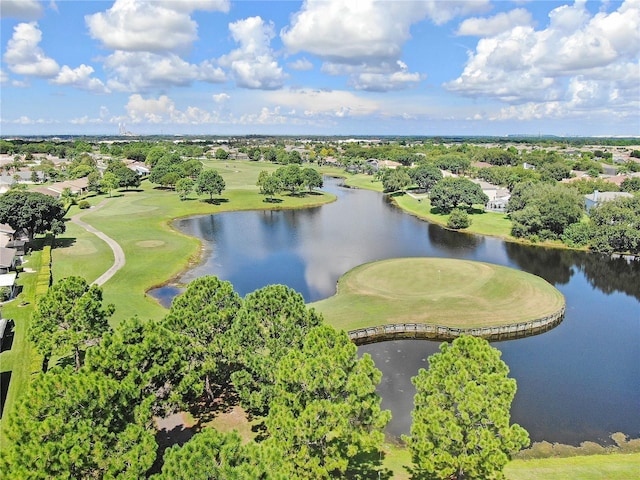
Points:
x=439, y=291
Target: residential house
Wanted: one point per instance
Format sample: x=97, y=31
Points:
x=8, y=259
x=597, y=198
x=140, y=168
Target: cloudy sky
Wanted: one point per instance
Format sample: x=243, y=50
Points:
x=323, y=67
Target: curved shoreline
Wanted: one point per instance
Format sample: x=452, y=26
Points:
x=427, y=331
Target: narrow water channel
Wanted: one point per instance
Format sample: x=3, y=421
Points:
x=580, y=381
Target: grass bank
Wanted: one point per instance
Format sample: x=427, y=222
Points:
x=615, y=466
x=454, y=293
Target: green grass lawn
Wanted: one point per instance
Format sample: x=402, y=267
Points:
x=615, y=466
x=19, y=360
x=455, y=293
x=78, y=252
x=595, y=467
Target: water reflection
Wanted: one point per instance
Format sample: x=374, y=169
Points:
x=452, y=242
x=552, y=264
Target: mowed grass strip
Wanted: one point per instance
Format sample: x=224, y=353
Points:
x=454, y=293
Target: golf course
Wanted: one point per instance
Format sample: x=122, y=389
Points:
x=453, y=293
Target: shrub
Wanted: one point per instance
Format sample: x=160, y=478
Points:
x=83, y=204
x=458, y=219
x=577, y=234
x=5, y=294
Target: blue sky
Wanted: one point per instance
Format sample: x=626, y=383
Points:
x=330, y=67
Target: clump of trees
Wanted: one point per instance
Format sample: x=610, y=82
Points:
x=544, y=210
x=612, y=226
x=32, y=212
x=313, y=397
x=292, y=178
x=453, y=192
x=68, y=317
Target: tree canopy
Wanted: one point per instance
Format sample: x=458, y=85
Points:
x=200, y=317
x=146, y=356
x=77, y=425
x=395, y=179
x=326, y=414
x=69, y=316
x=272, y=321
x=32, y=211
x=461, y=414
x=544, y=209
x=425, y=176
x=211, y=182
x=214, y=455
x=616, y=226
x=452, y=192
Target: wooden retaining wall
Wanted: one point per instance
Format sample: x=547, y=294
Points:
x=397, y=331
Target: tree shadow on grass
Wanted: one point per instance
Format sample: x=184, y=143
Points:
x=216, y=201
x=167, y=437
x=368, y=465
x=64, y=242
x=272, y=200
x=399, y=193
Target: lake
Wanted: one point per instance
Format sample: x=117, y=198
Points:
x=579, y=381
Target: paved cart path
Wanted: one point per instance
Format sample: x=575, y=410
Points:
x=118, y=253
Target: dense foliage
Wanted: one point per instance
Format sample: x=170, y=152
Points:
x=616, y=226
x=453, y=192
x=325, y=414
x=271, y=322
x=461, y=414
x=77, y=425
x=68, y=318
x=33, y=212
x=544, y=209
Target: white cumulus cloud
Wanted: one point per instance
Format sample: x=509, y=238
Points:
x=499, y=23
x=150, y=26
x=364, y=39
x=162, y=110
x=24, y=55
x=301, y=64
x=143, y=71
x=81, y=78
x=382, y=82
x=253, y=64
x=578, y=59
x=221, y=97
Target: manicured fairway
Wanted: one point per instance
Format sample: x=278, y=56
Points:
x=454, y=293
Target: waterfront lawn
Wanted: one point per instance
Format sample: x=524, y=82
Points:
x=617, y=466
x=482, y=223
x=454, y=293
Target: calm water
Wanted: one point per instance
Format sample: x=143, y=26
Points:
x=579, y=381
